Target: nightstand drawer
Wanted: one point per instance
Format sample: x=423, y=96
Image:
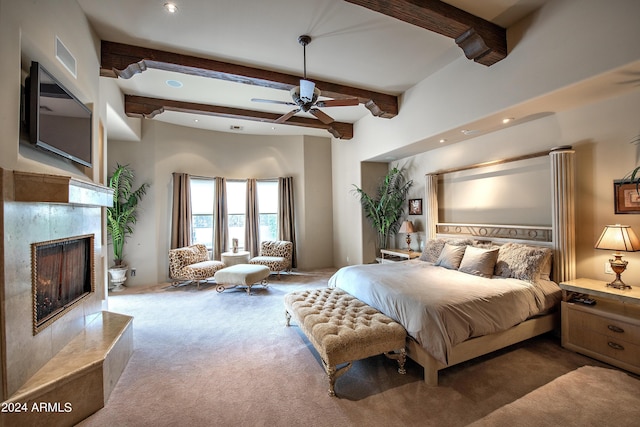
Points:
x=605, y=345
x=596, y=323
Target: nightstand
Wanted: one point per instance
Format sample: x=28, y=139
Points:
x=395, y=255
x=608, y=330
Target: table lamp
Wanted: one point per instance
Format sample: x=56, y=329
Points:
x=618, y=238
x=407, y=227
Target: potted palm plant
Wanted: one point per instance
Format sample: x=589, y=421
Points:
x=121, y=217
x=385, y=209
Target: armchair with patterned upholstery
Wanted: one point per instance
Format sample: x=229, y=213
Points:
x=276, y=255
x=192, y=264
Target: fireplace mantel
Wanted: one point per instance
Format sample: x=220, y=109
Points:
x=35, y=187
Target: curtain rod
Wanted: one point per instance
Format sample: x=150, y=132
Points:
x=501, y=161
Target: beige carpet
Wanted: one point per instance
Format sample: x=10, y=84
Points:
x=207, y=359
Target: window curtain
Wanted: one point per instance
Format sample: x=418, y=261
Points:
x=220, y=224
x=181, y=211
x=252, y=224
x=286, y=217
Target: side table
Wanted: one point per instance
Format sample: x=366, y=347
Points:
x=606, y=326
x=394, y=255
x=233, y=258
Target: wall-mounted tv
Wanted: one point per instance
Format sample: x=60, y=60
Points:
x=58, y=122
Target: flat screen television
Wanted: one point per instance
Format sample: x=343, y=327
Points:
x=58, y=122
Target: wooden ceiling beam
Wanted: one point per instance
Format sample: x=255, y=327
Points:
x=122, y=60
x=145, y=107
x=481, y=40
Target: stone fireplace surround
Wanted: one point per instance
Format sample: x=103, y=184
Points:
x=76, y=361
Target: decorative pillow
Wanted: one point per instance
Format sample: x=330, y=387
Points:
x=479, y=261
x=545, y=270
x=433, y=248
x=521, y=261
x=451, y=256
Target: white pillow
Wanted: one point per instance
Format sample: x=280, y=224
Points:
x=479, y=261
x=451, y=256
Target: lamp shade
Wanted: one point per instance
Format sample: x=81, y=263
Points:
x=618, y=238
x=406, y=227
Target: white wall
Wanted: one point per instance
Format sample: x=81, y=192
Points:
x=563, y=44
x=167, y=148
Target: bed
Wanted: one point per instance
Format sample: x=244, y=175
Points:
x=454, y=313
x=452, y=316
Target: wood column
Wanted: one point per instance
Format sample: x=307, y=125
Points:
x=564, y=217
x=431, y=206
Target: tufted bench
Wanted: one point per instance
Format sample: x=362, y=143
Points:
x=343, y=329
x=241, y=275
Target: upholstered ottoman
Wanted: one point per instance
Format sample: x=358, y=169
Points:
x=343, y=329
x=241, y=275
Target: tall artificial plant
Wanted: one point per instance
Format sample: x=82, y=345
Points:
x=385, y=209
x=123, y=214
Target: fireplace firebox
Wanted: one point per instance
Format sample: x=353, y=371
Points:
x=62, y=274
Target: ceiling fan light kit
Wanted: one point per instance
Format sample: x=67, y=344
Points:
x=305, y=96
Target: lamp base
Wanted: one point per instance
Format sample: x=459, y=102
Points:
x=409, y=242
x=618, y=284
x=618, y=265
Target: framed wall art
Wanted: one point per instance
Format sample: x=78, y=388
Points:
x=626, y=197
x=415, y=206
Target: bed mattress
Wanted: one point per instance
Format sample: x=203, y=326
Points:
x=441, y=308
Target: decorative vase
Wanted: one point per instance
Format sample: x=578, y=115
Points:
x=234, y=245
x=118, y=276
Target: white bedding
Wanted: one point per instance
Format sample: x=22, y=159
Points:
x=439, y=307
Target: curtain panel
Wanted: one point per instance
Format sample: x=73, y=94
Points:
x=286, y=217
x=220, y=222
x=252, y=223
x=181, y=211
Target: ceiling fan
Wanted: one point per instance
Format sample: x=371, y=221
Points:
x=305, y=96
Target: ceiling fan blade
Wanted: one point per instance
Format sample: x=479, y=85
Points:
x=287, y=116
x=307, y=88
x=322, y=116
x=272, y=101
x=338, y=102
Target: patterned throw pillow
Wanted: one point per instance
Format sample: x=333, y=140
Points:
x=479, y=261
x=521, y=261
x=432, y=249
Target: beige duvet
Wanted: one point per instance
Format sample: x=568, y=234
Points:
x=440, y=308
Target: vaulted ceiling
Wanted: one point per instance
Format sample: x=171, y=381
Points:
x=225, y=53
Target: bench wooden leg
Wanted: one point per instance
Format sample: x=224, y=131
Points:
x=401, y=357
x=288, y=316
x=334, y=374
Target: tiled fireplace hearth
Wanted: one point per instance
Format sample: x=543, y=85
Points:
x=72, y=359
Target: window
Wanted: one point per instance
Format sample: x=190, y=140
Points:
x=202, y=208
x=236, y=205
x=268, y=209
x=202, y=202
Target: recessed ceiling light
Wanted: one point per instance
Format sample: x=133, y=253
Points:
x=174, y=83
x=171, y=7
x=235, y=127
x=469, y=131
x=507, y=120
x=196, y=120
x=443, y=140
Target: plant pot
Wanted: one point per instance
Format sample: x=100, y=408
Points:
x=118, y=276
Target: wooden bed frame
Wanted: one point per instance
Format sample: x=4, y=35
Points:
x=560, y=237
x=474, y=347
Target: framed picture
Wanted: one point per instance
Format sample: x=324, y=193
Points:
x=626, y=197
x=415, y=206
